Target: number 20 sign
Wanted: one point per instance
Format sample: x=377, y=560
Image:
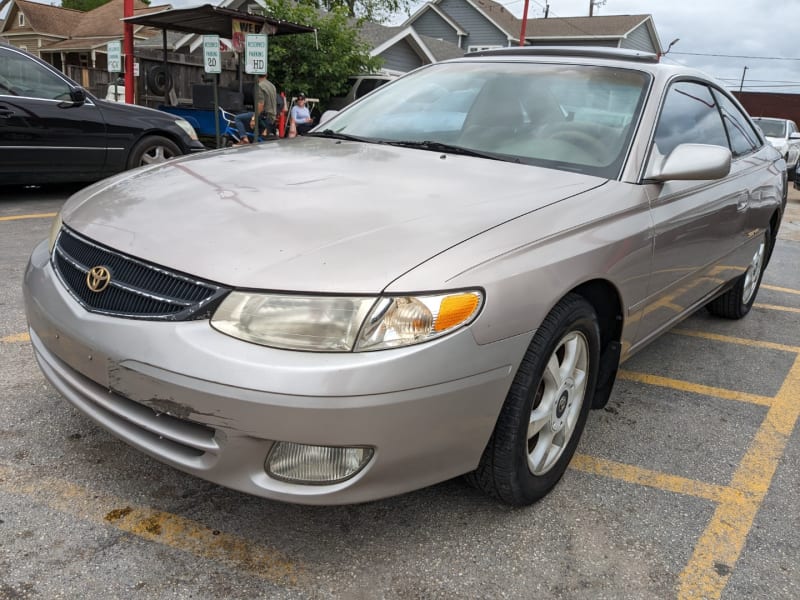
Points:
x=211, y=57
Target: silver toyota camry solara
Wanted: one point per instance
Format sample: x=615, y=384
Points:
x=440, y=280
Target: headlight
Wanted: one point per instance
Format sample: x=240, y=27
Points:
x=55, y=227
x=187, y=127
x=296, y=322
x=406, y=320
x=343, y=324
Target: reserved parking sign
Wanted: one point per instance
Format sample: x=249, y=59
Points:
x=255, y=53
x=114, y=53
x=212, y=60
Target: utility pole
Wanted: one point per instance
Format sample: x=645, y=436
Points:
x=127, y=42
x=592, y=4
x=741, y=84
x=524, y=24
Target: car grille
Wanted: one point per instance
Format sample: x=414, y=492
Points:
x=136, y=289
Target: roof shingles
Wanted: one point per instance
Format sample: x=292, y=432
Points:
x=80, y=30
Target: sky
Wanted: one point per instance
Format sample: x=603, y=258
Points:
x=720, y=37
x=714, y=35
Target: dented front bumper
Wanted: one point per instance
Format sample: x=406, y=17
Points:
x=213, y=406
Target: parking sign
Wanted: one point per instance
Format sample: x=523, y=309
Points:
x=212, y=62
x=255, y=53
x=114, y=53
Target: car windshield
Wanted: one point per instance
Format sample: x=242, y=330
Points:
x=569, y=117
x=772, y=127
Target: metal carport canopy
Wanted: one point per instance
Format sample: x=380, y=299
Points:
x=208, y=19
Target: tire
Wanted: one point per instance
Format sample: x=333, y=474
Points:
x=159, y=80
x=151, y=150
x=547, y=395
x=737, y=301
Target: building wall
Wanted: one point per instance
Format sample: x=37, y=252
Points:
x=639, y=39
x=431, y=24
x=31, y=42
x=544, y=42
x=481, y=31
x=768, y=104
x=401, y=57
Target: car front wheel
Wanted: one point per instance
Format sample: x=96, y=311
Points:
x=546, y=407
x=151, y=150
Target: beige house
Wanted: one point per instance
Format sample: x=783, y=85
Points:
x=67, y=38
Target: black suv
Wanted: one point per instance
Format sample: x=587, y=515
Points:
x=53, y=130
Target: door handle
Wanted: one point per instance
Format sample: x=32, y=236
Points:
x=5, y=113
x=743, y=201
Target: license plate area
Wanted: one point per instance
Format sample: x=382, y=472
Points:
x=82, y=358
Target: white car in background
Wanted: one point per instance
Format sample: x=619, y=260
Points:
x=783, y=135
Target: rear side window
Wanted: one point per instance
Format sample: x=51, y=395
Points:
x=689, y=116
x=743, y=137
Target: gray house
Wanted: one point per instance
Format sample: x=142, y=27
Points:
x=484, y=24
x=403, y=48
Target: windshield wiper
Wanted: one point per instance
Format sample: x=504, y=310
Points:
x=442, y=147
x=336, y=135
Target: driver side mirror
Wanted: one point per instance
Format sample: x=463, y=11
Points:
x=690, y=162
x=77, y=95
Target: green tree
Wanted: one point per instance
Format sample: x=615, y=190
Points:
x=320, y=64
x=372, y=10
x=84, y=5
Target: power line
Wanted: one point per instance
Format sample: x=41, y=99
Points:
x=760, y=80
x=736, y=56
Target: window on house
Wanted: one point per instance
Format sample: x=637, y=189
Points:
x=21, y=20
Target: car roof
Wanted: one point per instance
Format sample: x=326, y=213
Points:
x=592, y=55
x=574, y=51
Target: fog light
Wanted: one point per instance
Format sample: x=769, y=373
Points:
x=316, y=465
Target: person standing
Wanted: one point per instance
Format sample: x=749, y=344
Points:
x=265, y=101
x=262, y=120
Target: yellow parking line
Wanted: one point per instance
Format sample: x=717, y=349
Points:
x=654, y=479
x=156, y=526
x=720, y=545
x=36, y=216
x=775, y=288
x=776, y=307
x=734, y=340
x=696, y=388
x=15, y=338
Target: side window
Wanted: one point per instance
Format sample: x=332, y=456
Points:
x=367, y=85
x=689, y=115
x=21, y=76
x=742, y=136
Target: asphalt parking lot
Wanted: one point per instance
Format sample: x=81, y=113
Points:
x=684, y=486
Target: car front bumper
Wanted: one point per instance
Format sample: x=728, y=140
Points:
x=213, y=406
x=196, y=146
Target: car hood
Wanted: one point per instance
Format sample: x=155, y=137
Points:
x=310, y=214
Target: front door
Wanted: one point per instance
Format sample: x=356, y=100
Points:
x=43, y=133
